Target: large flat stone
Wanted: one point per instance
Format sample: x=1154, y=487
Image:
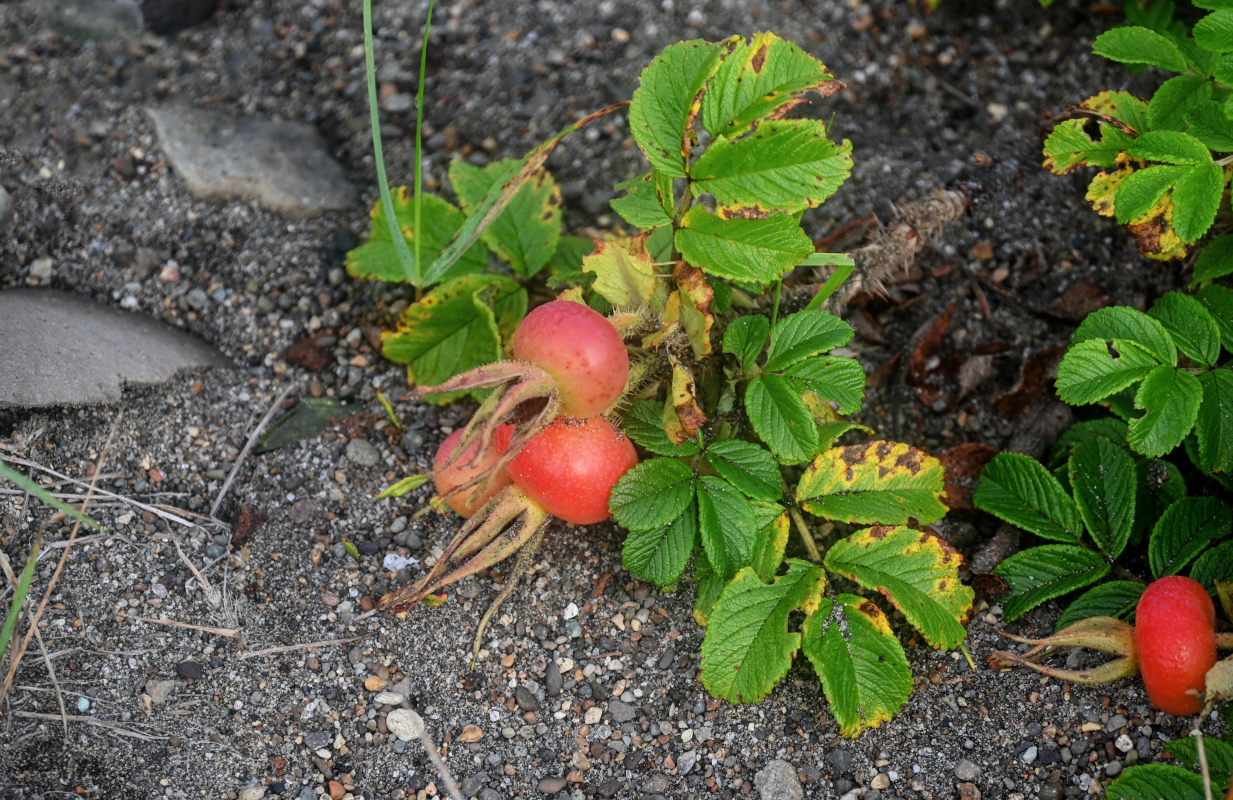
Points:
x=63, y=349
x=281, y=165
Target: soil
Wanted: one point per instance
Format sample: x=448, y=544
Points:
x=587, y=682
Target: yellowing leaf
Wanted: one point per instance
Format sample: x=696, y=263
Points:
x=624, y=277
x=875, y=482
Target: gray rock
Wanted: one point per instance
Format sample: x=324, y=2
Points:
x=95, y=19
x=550, y=785
x=967, y=770
x=621, y=712
x=778, y=781
x=62, y=349
x=283, y=166
x=397, y=103
x=6, y=207
x=159, y=691
x=1029, y=755
x=840, y=760
x=526, y=699
x=361, y=451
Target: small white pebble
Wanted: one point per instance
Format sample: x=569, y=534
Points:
x=389, y=699
x=405, y=724
x=571, y=611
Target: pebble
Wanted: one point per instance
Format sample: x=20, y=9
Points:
x=83, y=704
x=1029, y=755
x=471, y=733
x=159, y=691
x=967, y=770
x=316, y=740
x=405, y=724
x=964, y=791
x=252, y=793
x=189, y=670
x=41, y=269
x=1115, y=723
x=571, y=611
x=840, y=760
x=526, y=699
x=550, y=785
x=1113, y=768
x=880, y=781
x=389, y=699
x=1124, y=743
x=197, y=300
x=552, y=679
x=398, y=103
x=361, y=451
x=621, y=712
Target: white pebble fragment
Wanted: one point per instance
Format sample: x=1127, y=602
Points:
x=571, y=611
x=405, y=724
x=389, y=699
x=1124, y=743
x=396, y=561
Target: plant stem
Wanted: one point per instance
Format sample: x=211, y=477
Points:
x=419, y=136
x=775, y=304
x=801, y=528
x=411, y=268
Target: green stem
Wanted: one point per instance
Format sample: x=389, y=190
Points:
x=775, y=304
x=419, y=135
x=411, y=268
x=687, y=200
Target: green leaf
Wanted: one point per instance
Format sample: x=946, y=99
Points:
x=1018, y=489
x=1113, y=599
x=1215, y=31
x=647, y=202
x=748, y=467
x=39, y=491
x=1126, y=108
x=780, y=419
x=22, y=590
x=1214, y=565
x=874, y=483
x=1219, y=301
x=835, y=379
x=1207, y=123
x=1110, y=428
x=452, y=329
x=376, y=259
x=780, y=166
x=1219, y=757
x=726, y=525
x=1068, y=146
x=664, y=105
x=1134, y=45
x=1184, y=530
x=1102, y=477
x=803, y=335
x=918, y=572
x=710, y=587
x=752, y=251
x=1192, y=327
x=1213, y=427
x=1158, y=484
x=760, y=79
x=1215, y=260
x=1093, y=369
x=644, y=424
x=748, y=647
x=1169, y=106
x=745, y=338
x=1142, y=191
x=526, y=232
x=1196, y=199
x=864, y=671
x=769, y=547
x=1123, y=322
x=829, y=432
x=1171, y=398
x=652, y=494
x=405, y=485
x=1043, y=573
x=661, y=555
x=1170, y=147
x=1155, y=782
x=310, y=416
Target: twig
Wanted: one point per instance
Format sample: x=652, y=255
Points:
x=408, y=724
x=275, y=406
x=211, y=593
x=102, y=723
x=55, y=684
x=230, y=633
x=18, y=652
x=305, y=646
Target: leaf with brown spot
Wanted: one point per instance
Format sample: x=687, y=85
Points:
x=689, y=415
x=696, y=296
x=877, y=482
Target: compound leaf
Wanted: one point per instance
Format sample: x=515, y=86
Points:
x=836, y=379
x=1123, y=322
x=1043, y=573
x=1214, y=565
x=781, y=419
x=1214, y=261
x=623, y=277
x=1018, y=489
x=917, y=571
x=757, y=251
x=377, y=259
x=1207, y=123
x=666, y=102
x=1154, y=781
x=528, y=229
x=1069, y=147
x=769, y=547
x=1219, y=756
x=1102, y=477
x=864, y=671
x=1184, y=530
x=1173, y=101
x=803, y=335
x=652, y=494
x=644, y=424
x=748, y=467
x=1219, y=301
x=726, y=525
x=748, y=647
x=874, y=483
x=1131, y=44
x=1093, y=369
x=745, y=338
x=1214, y=32
x=1171, y=398
x=647, y=202
x=1192, y=327
x=661, y=555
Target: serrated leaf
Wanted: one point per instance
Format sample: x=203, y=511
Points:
x=1069, y=147
x=1145, y=189
x=377, y=259
x=1219, y=757
x=1196, y=199
x=829, y=432
x=1126, y=108
x=1170, y=397
x=1043, y=573
x=1192, y=327
x=1110, y=428
x=652, y=494
x=1134, y=45
x=1215, y=31
x=1215, y=260
x=1018, y=489
x=1122, y=322
x=647, y=202
x=1186, y=529
x=1154, y=782
x=1170, y=147
x=1214, y=565
x=803, y=335
x=769, y=547
x=666, y=102
x=748, y=647
x=453, y=328
x=1207, y=123
x=917, y=571
x=526, y=232
x=1172, y=101
x=748, y=467
x=623, y=277
x=644, y=424
x=1093, y=369
x=726, y=525
x=864, y=671
x=761, y=79
x=1219, y=301
x=780, y=419
x=747, y=251
x=874, y=483
x=1102, y=478
x=745, y=337
x=1213, y=426
x=661, y=555
x=1113, y=599
x=779, y=166
x=710, y=587
x=837, y=379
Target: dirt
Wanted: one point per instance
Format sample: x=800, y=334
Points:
x=252, y=700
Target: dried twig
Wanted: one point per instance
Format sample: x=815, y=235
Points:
x=101, y=723
x=230, y=633
x=252, y=439
x=305, y=646
x=55, y=684
x=212, y=595
x=407, y=724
